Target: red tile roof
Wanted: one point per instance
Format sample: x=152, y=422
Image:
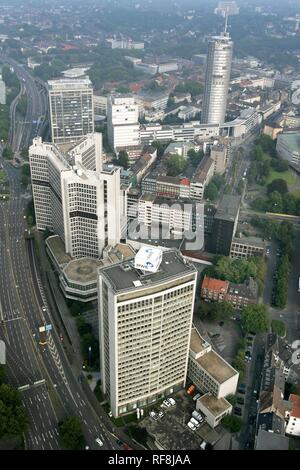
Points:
x=295, y=412
x=214, y=284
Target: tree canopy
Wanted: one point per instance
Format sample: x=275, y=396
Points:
x=255, y=318
x=13, y=418
x=70, y=434
x=123, y=159
x=176, y=165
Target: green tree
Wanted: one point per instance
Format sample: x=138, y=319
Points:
x=231, y=399
x=71, y=436
x=2, y=375
x=232, y=423
x=24, y=152
x=278, y=185
x=176, y=165
x=13, y=419
x=194, y=157
x=255, y=318
x=123, y=159
x=221, y=311
x=275, y=202
x=211, y=192
x=24, y=180
x=7, y=153
x=279, y=165
x=203, y=310
x=26, y=169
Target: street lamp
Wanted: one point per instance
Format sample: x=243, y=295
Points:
x=90, y=355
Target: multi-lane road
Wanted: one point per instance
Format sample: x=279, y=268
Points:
x=50, y=389
x=28, y=362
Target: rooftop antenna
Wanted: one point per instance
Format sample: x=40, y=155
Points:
x=226, y=20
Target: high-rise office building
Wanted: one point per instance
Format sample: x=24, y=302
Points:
x=225, y=224
x=71, y=109
x=218, y=69
x=75, y=197
x=145, y=319
x=123, y=127
x=2, y=91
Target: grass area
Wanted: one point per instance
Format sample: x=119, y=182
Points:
x=289, y=176
x=278, y=327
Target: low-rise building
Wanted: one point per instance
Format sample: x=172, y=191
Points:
x=208, y=370
x=247, y=247
x=214, y=289
x=293, y=425
x=213, y=408
x=219, y=154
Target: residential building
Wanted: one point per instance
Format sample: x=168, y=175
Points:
x=75, y=197
x=268, y=440
x=288, y=146
x=214, y=290
x=100, y=105
x=208, y=370
x=225, y=224
x=125, y=44
x=238, y=295
x=218, y=69
x=202, y=176
x=122, y=122
x=71, y=109
x=242, y=295
x=145, y=320
x=293, y=425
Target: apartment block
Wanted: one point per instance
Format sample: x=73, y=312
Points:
x=122, y=122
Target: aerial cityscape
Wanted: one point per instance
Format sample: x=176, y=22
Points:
x=149, y=227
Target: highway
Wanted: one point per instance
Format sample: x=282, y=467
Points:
x=22, y=299
x=49, y=388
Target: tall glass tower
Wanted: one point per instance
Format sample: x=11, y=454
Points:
x=217, y=78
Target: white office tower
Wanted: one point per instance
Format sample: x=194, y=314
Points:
x=145, y=320
x=75, y=197
x=71, y=109
x=218, y=69
x=123, y=127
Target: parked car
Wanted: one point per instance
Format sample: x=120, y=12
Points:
x=237, y=411
x=240, y=400
x=216, y=335
x=195, y=422
x=172, y=401
x=120, y=443
x=191, y=389
x=191, y=426
x=153, y=415
x=161, y=414
x=197, y=416
x=195, y=397
x=167, y=403
x=99, y=442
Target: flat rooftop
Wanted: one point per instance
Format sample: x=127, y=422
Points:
x=215, y=406
x=228, y=208
x=124, y=277
x=251, y=241
x=197, y=343
x=85, y=270
x=57, y=248
x=217, y=367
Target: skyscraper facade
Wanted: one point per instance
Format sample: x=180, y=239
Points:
x=145, y=321
x=123, y=127
x=75, y=197
x=218, y=69
x=71, y=109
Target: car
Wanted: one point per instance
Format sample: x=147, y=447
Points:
x=99, y=442
x=44, y=309
x=240, y=400
x=221, y=323
x=195, y=397
x=191, y=426
x=216, y=335
x=126, y=447
x=167, y=403
x=237, y=411
x=191, y=389
x=242, y=392
x=195, y=422
x=153, y=415
x=161, y=414
x=120, y=443
x=172, y=401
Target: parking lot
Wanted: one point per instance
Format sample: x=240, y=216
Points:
x=171, y=431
